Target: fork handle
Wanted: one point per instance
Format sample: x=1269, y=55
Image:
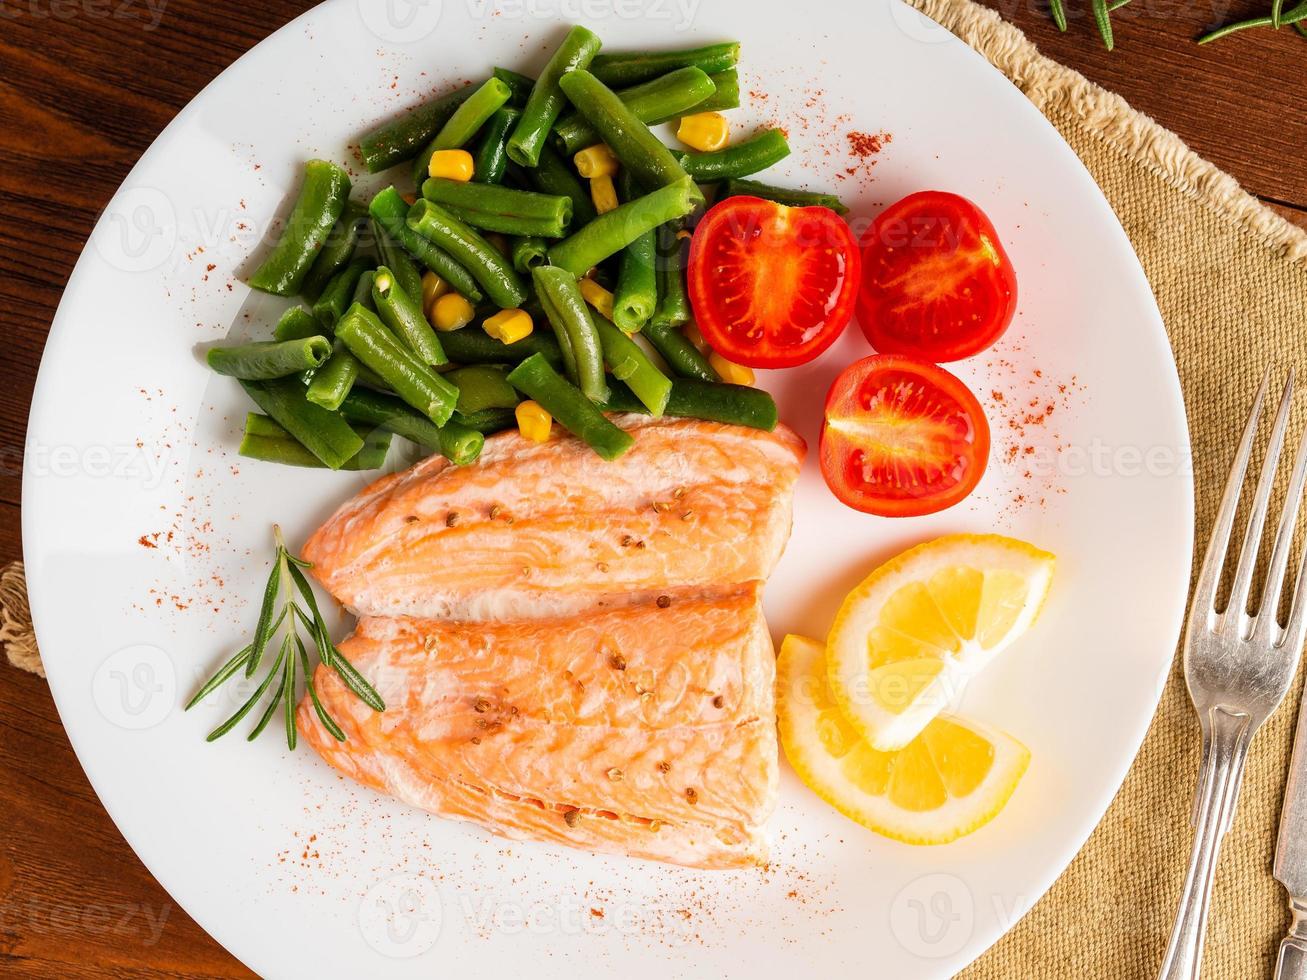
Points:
x=1291, y=964
x=1225, y=745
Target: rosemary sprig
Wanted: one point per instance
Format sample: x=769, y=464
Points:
x=285, y=580
x=1278, y=16
x=1295, y=16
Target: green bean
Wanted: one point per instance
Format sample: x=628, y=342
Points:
x=546, y=99
x=710, y=400
x=405, y=137
x=758, y=152
x=489, y=421
x=455, y=441
x=335, y=299
x=520, y=85
x=395, y=258
x=781, y=195
x=266, y=359
x=681, y=355
x=265, y=440
x=481, y=386
x=502, y=209
x=403, y=314
x=296, y=324
x=477, y=347
x=333, y=381
x=629, y=363
x=528, y=252
x=490, y=162
x=652, y=102
x=391, y=212
x=475, y=111
x=629, y=67
x=336, y=251
x=673, y=307
x=492, y=271
x=369, y=341
x=318, y=207
x=325, y=434
x=569, y=406
x=636, y=293
x=553, y=175
x=575, y=329
x=651, y=163
x=609, y=233
x=726, y=92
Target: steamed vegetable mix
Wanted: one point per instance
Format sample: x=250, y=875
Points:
x=391, y=212
x=493, y=272
x=393, y=256
x=476, y=347
x=578, y=338
x=569, y=406
x=636, y=293
x=320, y=204
x=749, y=156
x=264, y=439
x=629, y=67
x=263, y=360
x=369, y=340
x=554, y=176
x=404, y=138
x=502, y=209
x=463, y=124
x=609, y=233
x=323, y=433
x=402, y=313
x=652, y=102
x=629, y=363
x=456, y=442
x=546, y=100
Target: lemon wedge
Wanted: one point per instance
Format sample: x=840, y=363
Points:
x=951, y=779
x=911, y=635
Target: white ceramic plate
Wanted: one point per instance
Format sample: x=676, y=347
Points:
x=146, y=537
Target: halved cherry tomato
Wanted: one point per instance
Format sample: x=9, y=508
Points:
x=936, y=282
x=902, y=437
x=772, y=286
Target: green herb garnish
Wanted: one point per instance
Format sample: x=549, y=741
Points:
x=292, y=657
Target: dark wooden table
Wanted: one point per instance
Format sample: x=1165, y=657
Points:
x=85, y=86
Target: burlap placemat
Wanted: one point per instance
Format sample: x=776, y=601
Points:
x=1231, y=280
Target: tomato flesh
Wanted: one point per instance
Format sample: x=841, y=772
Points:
x=772, y=286
x=936, y=282
x=902, y=437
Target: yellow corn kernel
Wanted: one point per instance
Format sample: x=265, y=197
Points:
x=693, y=335
x=731, y=373
x=452, y=165
x=533, y=421
x=603, y=193
x=683, y=234
x=451, y=312
x=433, y=287
x=509, y=326
x=704, y=131
x=598, y=297
x=596, y=161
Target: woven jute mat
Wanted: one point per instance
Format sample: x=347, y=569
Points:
x=1231, y=280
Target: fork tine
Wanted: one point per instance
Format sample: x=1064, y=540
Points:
x=1209, y=577
x=1293, y=635
x=1235, y=609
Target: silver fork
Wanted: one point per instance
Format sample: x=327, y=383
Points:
x=1237, y=666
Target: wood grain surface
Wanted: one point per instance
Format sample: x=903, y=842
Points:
x=86, y=85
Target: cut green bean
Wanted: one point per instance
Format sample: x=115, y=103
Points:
x=749, y=156
x=629, y=67
x=325, y=434
x=651, y=163
x=403, y=314
x=528, y=252
x=652, y=102
x=492, y=271
x=713, y=401
x=395, y=258
x=569, y=406
x=629, y=363
x=502, y=209
x=681, y=355
x=569, y=315
x=475, y=346
x=336, y=251
x=405, y=137
x=265, y=359
x=320, y=203
x=546, y=100
x=781, y=195
x=458, y=443
x=335, y=299
x=460, y=127
x=491, y=159
x=481, y=386
x=265, y=440
x=296, y=324
x=333, y=381
x=553, y=175
x=726, y=92
x=636, y=292
x=673, y=307
x=490, y=421
x=520, y=85
x=391, y=212
x=609, y=233
x=369, y=340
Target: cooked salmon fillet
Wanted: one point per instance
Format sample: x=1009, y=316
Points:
x=647, y=730
x=545, y=530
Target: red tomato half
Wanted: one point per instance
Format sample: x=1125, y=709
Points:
x=772, y=286
x=902, y=437
x=936, y=282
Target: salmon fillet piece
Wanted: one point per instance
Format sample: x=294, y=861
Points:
x=647, y=731
x=547, y=530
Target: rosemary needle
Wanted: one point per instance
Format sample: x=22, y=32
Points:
x=1104, y=21
x=1277, y=8
x=1059, y=13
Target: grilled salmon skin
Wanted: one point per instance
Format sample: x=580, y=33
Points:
x=647, y=730
x=546, y=530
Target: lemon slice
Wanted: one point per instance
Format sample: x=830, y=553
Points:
x=953, y=778
x=908, y=638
